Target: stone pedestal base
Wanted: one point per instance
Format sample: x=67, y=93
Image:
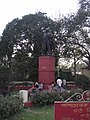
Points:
x=46, y=69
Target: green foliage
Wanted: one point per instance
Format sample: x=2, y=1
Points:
x=21, y=43
x=9, y=106
x=65, y=74
x=45, y=98
x=66, y=94
x=79, y=90
x=48, y=98
x=5, y=76
x=83, y=82
x=76, y=38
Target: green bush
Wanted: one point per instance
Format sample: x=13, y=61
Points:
x=78, y=90
x=67, y=94
x=45, y=98
x=9, y=106
x=5, y=76
x=83, y=82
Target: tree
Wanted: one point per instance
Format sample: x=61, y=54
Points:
x=76, y=33
x=5, y=76
x=83, y=15
x=21, y=43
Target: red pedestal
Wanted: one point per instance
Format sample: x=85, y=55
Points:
x=46, y=69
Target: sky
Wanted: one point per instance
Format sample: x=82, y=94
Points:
x=11, y=9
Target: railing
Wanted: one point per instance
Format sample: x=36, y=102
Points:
x=85, y=96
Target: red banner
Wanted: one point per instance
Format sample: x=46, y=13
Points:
x=72, y=110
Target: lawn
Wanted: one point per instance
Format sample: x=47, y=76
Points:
x=43, y=113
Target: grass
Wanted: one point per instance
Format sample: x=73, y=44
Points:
x=43, y=113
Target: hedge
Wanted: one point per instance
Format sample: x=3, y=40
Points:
x=9, y=106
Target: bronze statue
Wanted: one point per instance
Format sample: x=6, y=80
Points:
x=47, y=43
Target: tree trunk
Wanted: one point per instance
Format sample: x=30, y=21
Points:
x=74, y=65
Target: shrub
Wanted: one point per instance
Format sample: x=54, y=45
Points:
x=45, y=98
x=75, y=93
x=66, y=94
x=78, y=90
x=9, y=106
x=5, y=76
x=83, y=82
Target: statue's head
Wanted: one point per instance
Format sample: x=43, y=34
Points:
x=47, y=30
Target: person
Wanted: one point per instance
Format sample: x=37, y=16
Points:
x=59, y=83
x=47, y=42
x=36, y=84
x=64, y=83
x=40, y=86
x=53, y=84
x=33, y=90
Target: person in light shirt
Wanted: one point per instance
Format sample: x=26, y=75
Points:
x=40, y=86
x=59, y=83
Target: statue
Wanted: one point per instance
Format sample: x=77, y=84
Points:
x=47, y=43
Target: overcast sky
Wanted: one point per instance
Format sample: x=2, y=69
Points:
x=10, y=9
